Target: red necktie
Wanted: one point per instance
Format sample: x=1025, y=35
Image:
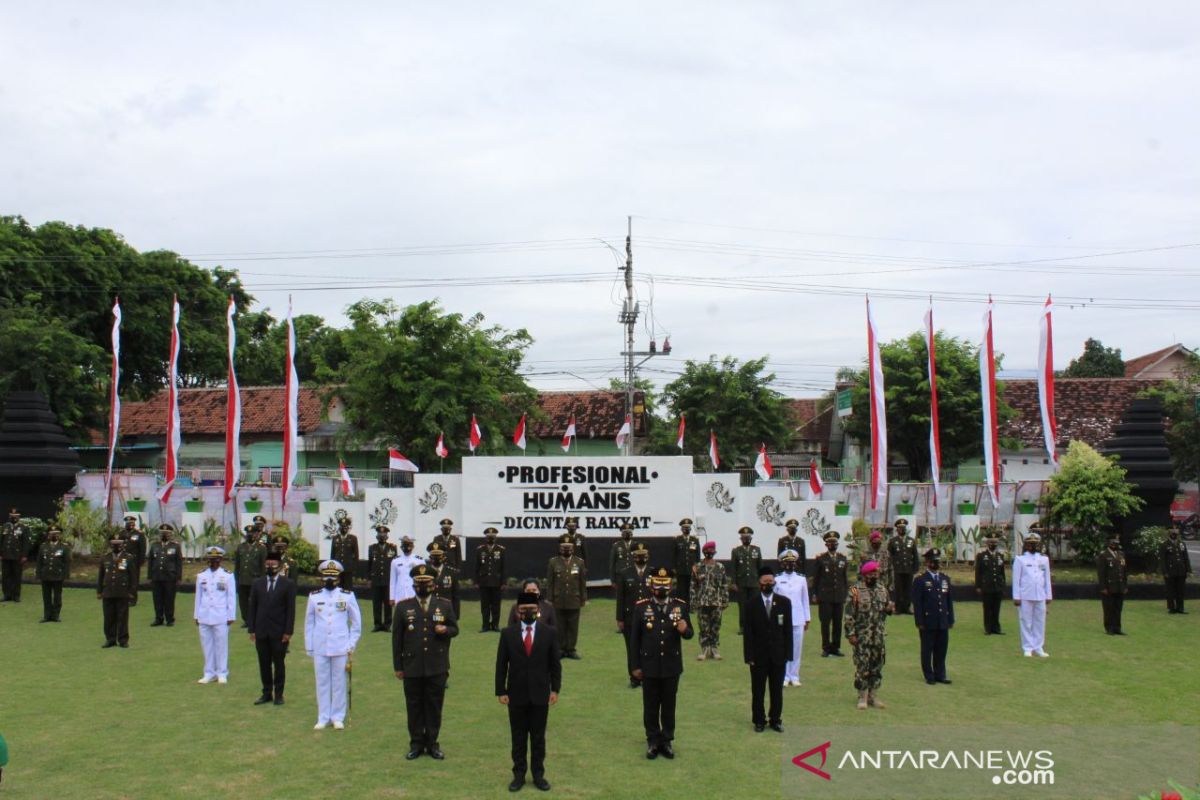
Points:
x=529, y=640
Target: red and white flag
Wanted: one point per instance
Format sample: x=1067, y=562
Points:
x=987, y=381
x=440, y=448
x=935, y=436
x=233, y=411
x=114, y=405
x=1046, y=384
x=519, y=434
x=815, y=485
x=291, y=439
x=347, y=482
x=762, y=464
x=879, y=443
x=397, y=460
x=679, y=436
x=713, y=455
x=625, y=432
x=568, y=435
x=174, y=439
x=476, y=437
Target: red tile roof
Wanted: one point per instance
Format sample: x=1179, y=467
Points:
x=202, y=412
x=1134, y=366
x=1087, y=409
x=802, y=409
x=817, y=429
x=598, y=414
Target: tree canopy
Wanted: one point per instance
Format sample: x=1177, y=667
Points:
x=1181, y=400
x=960, y=413
x=1096, y=361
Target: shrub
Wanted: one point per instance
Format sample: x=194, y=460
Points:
x=1147, y=540
x=1087, y=493
x=85, y=525
x=302, y=552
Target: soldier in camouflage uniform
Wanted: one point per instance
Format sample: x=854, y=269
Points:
x=379, y=570
x=867, y=610
x=744, y=563
x=710, y=593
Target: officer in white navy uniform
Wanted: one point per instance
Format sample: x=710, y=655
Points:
x=216, y=610
x=402, y=567
x=791, y=583
x=1031, y=595
x=332, y=625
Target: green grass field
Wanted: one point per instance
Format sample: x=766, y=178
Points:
x=91, y=723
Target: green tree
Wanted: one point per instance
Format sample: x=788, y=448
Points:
x=262, y=348
x=734, y=400
x=960, y=411
x=1096, y=361
x=1087, y=493
x=1180, y=399
x=419, y=371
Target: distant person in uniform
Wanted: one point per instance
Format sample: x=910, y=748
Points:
x=14, y=553
x=933, y=611
x=528, y=680
x=344, y=550
x=867, y=608
x=1113, y=577
x=990, y=583
x=632, y=585
x=710, y=591
x=422, y=628
x=248, y=566
x=791, y=583
x=1175, y=565
x=903, y=553
x=489, y=577
x=53, y=568
x=661, y=623
x=1032, y=595
x=379, y=566
x=215, y=611
x=136, y=549
x=792, y=540
x=166, y=573
x=566, y=589
x=332, y=627
x=745, y=560
x=402, y=567
x=546, y=613
x=829, y=584
x=686, y=555
x=445, y=581
x=578, y=540
x=451, y=545
x=114, y=585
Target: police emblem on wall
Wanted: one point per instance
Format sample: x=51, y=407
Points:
x=719, y=497
x=770, y=511
x=814, y=523
x=434, y=498
x=384, y=514
x=332, y=525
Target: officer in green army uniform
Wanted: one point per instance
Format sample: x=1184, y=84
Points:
x=1114, y=585
x=445, y=581
x=450, y=544
x=114, y=587
x=14, y=553
x=136, y=548
x=745, y=561
x=793, y=541
x=566, y=589
x=379, y=567
x=1176, y=566
x=279, y=546
x=620, y=555
x=53, y=567
x=344, y=550
x=489, y=577
x=867, y=610
x=990, y=584
x=905, y=560
x=166, y=572
x=249, y=564
x=632, y=584
x=711, y=596
x=260, y=524
x=577, y=539
x=686, y=549
x=828, y=584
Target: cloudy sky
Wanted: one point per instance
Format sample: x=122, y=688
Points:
x=779, y=160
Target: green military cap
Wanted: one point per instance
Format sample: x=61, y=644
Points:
x=685, y=521
x=571, y=520
x=832, y=536
x=260, y=518
x=166, y=526
x=639, y=548
x=625, y=526
x=1114, y=539
x=492, y=531
x=116, y=537
x=279, y=538
x=446, y=521
x=661, y=577
x=791, y=523
x=421, y=573
x=53, y=529
x=566, y=539
x=384, y=529
x=745, y=529
x=901, y=522
x=434, y=547
x=128, y=517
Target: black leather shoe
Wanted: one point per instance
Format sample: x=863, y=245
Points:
x=777, y=727
x=759, y=727
x=930, y=681
x=1119, y=633
x=574, y=655
x=517, y=783
x=50, y=620
x=262, y=701
x=278, y=701
x=436, y=753
x=486, y=629
x=838, y=654
x=413, y=754
x=108, y=644
x=156, y=623
x=665, y=750
x=171, y=624
x=944, y=680
x=542, y=784
x=824, y=654
x=124, y=644
x=651, y=752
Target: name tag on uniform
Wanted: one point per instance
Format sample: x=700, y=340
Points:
x=58, y=552
x=340, y=605
x=170, y=551
x=220, y=586
x=439, y=617
x=574, y=570
x=121, y=564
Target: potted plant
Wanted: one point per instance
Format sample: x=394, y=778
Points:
x=135, y=504
x=312, y=506
x=1026, y=506
x=841, y=509
x=966, y=509
x=253, y=505
x=194, y=503
x=905, y=506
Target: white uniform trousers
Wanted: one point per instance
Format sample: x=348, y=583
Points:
x=791, y=671
x=331, y=688
x=1033, y=624
x=214, y=641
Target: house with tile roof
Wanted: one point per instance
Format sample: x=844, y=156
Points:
x=1160, y=365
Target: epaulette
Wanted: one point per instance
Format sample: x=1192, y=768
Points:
x=346, y=591
x=314, y=591
x=679, y=600
x=642, y=602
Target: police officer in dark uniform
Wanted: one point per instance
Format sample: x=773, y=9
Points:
x=660, y=624
x=344, y=550
x=53, y=567
x=445, y=582
x=489, y=577
x=905, y=560
x=14, y=553
x=114, y=586
x=933, y=611
x=135, y=548
x=686, y=555
x=166, y=572
x=1114, y=585
x=746, y=560
x=1176, y=566
x=828, y=586
x=990, y=584
x=379, y=565
x=451, y=545
x=422, y=628
x=578, y=540
x=632, y=585
x=249, y=564
x=793, y=541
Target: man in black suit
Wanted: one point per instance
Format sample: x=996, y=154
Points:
x=528, y=679
x=767, y=645
x=272, y=617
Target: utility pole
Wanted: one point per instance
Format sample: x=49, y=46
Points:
x=628, y=317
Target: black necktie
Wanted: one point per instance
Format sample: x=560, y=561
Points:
x=271, y=585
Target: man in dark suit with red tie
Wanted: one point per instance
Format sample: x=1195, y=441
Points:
x=767, y=643
x=272, y=617
x=528, y=679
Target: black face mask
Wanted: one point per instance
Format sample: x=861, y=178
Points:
x=933, y=566
x=214, y=564
x=381, y=539
x=789, y=566
x=491, y=538
x=831, y=547
x=529, y=616
x=641, y=562
x=870, y=580
x=626, y=535
x=437, y=562
x=166, y=537
x=330, y=583
x=661, y=594
x=565, y=552
x=407, y=548
x=768, y=589
x=116, y=547
x=424, y=590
